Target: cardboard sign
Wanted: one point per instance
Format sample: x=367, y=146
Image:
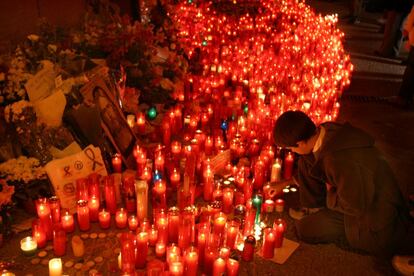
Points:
x=64, y=172
x=42, y=84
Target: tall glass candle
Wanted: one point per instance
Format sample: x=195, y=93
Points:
x=142, y=250
x=232, y=267
x=162, y=227
x=104, y=219
x=141, y=191
x=93, y=205
x=186, y=228
x=141, y=162
x=153, y=236
x=191, y=261
x=110, y=196
x=83, y=215
x=288, y=165
x=127, y=254
x=55, y=267
x=175, y=178
x=228, y=195
x=231, y=233
x=54, y=203
x=276, y=173
x=208, y=178
x=67, y=221
x=82, y=189
x=59, y=240
x=176, y=269
x=45, y=217
x=140, y=123
x=219, y=267
x=219, y=224
x=160, y=249
x=128, y=185
x=94, y=185
x=159, y=196
x=38, y=233
x=176, y=150
x=279, y=205
x=279, y=226
x=268, y=248
x=173, y=224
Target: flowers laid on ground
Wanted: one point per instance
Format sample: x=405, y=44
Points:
x=22, y=169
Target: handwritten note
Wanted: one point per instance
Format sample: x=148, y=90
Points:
x=42, y=84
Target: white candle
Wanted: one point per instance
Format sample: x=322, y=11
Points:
x=55, y=267
x=28, y=245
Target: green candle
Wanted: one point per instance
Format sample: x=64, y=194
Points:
x=257, y=203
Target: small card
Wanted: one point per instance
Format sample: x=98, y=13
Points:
x=284, y=252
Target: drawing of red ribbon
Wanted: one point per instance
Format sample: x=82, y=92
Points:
x=91, y=156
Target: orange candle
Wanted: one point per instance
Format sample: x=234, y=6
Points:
x=191, y=262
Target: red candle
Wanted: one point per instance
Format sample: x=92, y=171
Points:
x=219, y=267
x=127, y=254
x=54, y=203
x=132, y=223
x=191, y=262
x=208, y=146
x=159, y=162
x=186, y=228
x=59, y=240
x=219, y=224
x=162, y=227
x=268, y=206
x=176, y=150
x=159, y=198
x=153, y=236
x=208, y=183
x=248, y=249
x=141, y=250
x=104, y=219
x=166, y=132
x=173, y=253
x=228, y=195
x=288, y=166
x=38, y=233
x=232, y=266
x=173, y=224
x=83, y=215
x=68, y=223
x=178, y=116
x=121, y=218
x=176, y=269
x=231, y=234
x=82, y=189
x=201, y=243
x=160, y=249
x=279, y=226
x=141, y=162
x=259, y=174
x=110, y=198
x=128, y=187
x=93, y=188
x=210, y=256
x=117, y=163
x=93, y=205
x=224, y=253
x=140, y=122
x=175, y=178
x=280, y=204
x=269, y=238
x=44, y=213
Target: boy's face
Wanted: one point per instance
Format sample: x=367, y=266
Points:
x=302, y=148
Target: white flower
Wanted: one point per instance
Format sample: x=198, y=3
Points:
x=33, y=37
x=52, y=48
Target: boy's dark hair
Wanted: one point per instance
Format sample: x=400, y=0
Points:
x=292, y=127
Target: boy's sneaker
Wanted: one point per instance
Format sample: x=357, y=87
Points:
x=298, y=214
x=403, y=264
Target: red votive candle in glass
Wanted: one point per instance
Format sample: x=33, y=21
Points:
x=121, y=218
x=54, y=203
x=176, y=268
x=162, y=227
x=173, y=224
x=104, y=219
x=231, y=233
x=208, y=178
x=160, y=249
x=259, y=174
x=82, y=189
x=83, y=215
x=110, y=196
x=140, y=123
x=159, y=162
x=128, y=187
x=45, y=217
x=288, y=165
x=208, y=146
x=268, y=206
x=93, y=205
x=176, y=150
x=132, y=223
x=93, y=188
x=141, y=250
x=173, y=253
x=191, y=261
x=67, y=221
x=219, y=267
x=232, y=267
x=186, y=228
x=228, y=195
x=117, y=163
x=59, y=240
x=175, y=178
x=268, y=248
x=127, y=253
x=279, y=226
x=153, y=236
x=280, y=205
x=38, y=233
x=159, y=197
x=224, y=253
x=219, y=224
